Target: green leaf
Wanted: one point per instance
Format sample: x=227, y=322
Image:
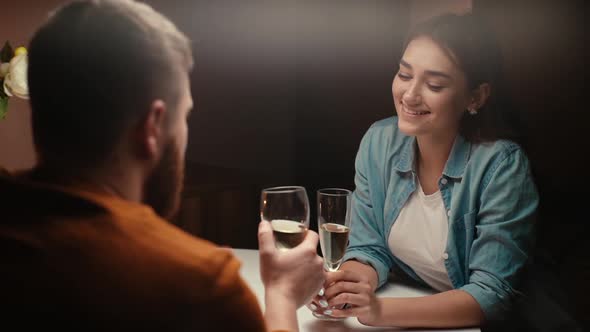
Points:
x=3, y=107
x=6, y=53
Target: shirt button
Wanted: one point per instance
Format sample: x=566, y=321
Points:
x=445, y=256
x=443, y=181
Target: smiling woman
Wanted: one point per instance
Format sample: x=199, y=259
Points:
x=441, y=195
x=430, y=91
x=461, y=65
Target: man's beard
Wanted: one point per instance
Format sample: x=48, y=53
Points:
x=163, y=188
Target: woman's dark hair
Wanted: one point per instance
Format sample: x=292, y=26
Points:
x=474, y=48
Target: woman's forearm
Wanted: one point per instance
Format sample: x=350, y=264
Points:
x=454, y=308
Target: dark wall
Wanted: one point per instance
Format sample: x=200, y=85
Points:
x=347, y=58
x=545, y=54
x=270, y=75
x=284, y=91
x=244, y=81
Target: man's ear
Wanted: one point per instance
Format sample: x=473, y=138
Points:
x=151, y=130
x=479, y=96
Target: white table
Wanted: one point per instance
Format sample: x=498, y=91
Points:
x=307, y=322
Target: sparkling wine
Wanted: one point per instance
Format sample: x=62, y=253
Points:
x=333, y=239
x=288, y=233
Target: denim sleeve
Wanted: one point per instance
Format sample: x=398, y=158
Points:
x=504, y=235
x=367, y=243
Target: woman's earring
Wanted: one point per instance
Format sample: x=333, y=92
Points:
x=472, y=110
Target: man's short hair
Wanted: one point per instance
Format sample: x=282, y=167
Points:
x=95, y=67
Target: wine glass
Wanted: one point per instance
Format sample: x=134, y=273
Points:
x=287, y=210
x=334, y=228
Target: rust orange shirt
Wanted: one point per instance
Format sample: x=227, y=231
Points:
x=81, y=260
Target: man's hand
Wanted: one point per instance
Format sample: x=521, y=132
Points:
x=291, y=278
x=296, y=273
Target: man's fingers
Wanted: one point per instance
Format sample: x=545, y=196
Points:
x=266, y=241
x=226, y=248
x=311, y=240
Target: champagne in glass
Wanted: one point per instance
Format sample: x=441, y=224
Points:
x=333, y=239
x=288, y=233
x=334, y=224
x=287, y=210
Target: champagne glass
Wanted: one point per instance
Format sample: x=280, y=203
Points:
x=334, y=225
x=287, y=210
x=334, y=228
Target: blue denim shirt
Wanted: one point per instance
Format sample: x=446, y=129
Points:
x=490, y=199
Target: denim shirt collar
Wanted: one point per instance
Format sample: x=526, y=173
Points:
x=405, y=162
x=455, y=165
x=458, y=158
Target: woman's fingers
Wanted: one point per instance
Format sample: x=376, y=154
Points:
x=349, y=312
x=318, y=302
x=354, y=300
x=343, y=287
x=313, y=306
x=342, y=275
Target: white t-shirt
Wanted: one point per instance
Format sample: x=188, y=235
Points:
x=419, y=238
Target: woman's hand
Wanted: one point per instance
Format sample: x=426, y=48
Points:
x=356, y=292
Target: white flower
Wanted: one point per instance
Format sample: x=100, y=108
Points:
x=15, y=81
x=4, y=69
